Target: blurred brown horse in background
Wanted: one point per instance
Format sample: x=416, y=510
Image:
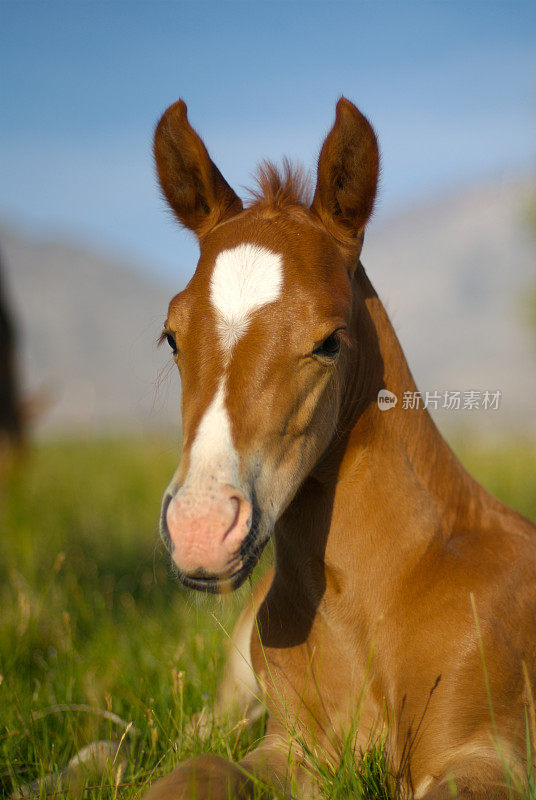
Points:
x=11, y=412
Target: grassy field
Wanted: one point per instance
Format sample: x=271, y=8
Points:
x=93, y=623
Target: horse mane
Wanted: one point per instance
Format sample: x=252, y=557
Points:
x=281, y=187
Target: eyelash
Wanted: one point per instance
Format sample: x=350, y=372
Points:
x=166, y=336
x=330, y=347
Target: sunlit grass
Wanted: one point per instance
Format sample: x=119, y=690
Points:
x=91, y=616
x=508, y=471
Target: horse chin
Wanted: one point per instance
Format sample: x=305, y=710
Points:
x=250, y=552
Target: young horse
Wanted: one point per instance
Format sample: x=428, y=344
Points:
x=396, y=574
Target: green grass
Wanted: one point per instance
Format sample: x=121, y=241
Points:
x=92, y=616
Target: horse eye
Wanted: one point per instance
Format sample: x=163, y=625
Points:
x=171, y=342
x=330, y=347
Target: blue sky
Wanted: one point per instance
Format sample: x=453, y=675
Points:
x=450, y=88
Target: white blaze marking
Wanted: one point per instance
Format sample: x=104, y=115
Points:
x=244, y=279
x=213, y=458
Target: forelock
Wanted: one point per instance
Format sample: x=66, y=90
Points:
x=281, y=187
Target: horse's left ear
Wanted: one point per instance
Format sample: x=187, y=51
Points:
x=193, y=185
x=348, y=169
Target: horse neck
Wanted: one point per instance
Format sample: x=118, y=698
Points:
x=389, y=484
x=403, y=433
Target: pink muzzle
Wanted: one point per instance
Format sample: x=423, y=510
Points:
x=207, y=530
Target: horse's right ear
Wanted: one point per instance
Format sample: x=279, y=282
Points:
x=193, y=185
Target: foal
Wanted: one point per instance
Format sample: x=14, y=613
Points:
x=396, y=574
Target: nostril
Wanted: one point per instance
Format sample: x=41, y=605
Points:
x=235, y=502
x=165, y=503
x=164, y=529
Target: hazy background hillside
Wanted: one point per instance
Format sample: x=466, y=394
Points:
x=453, y=273
x=88, y=327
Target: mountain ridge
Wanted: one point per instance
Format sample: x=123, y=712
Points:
x=451, y=271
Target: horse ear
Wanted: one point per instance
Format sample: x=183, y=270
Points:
x=192, y=184
x=347, y=179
